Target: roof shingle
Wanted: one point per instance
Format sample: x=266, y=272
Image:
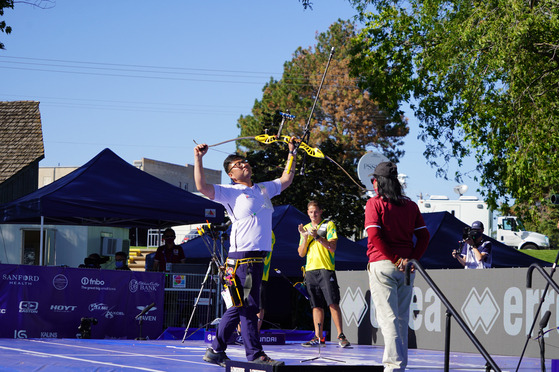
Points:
x=21, y=136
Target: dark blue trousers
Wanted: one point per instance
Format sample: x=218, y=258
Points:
x=246, y=314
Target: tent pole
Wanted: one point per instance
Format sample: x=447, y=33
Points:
x=41, y=242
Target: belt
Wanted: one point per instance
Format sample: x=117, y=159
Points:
x=244, y=261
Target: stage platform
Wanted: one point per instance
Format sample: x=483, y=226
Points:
x=172, y=355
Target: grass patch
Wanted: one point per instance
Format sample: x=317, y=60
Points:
x=548, y=255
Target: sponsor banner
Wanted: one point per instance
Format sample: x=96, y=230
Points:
x=266, y=338
x=51, y=302
x=495, y=304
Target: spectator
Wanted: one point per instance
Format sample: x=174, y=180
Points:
x=121, y=261
x=169, y=253
x=93, y=261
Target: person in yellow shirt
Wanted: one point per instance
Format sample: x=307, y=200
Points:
x=318, y=243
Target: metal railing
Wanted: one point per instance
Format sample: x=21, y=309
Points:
x=180, y=300
x=450, y=311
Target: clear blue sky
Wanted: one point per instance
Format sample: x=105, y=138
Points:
x=145, y=79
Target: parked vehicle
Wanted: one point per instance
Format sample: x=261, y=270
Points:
x=468, y=209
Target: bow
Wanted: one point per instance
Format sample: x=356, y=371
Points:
x=268, y=139
x=312, y=151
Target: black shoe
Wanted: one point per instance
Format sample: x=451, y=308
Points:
x=215, y=357
x=264, y=359
x=342, y=341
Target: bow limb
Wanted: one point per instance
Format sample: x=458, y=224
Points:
x=315, y=152
x=267, y=139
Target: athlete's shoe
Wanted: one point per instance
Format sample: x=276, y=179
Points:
x=264, y=359
x=215, y=357
x=342, y=341
x=314, y=342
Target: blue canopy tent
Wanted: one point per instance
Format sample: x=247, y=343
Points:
x=446, y=232
x=108, y=191
x=285, y=219
x=445, y=229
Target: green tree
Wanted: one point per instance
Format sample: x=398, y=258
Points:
x=482, y=78
x=344, y=112
x=345, y=122
x=3, y=26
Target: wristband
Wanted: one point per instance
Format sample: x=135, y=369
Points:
x=398, y=262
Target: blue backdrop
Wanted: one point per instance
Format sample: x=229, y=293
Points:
x=49, y=302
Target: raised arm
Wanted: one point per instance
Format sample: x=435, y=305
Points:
x=206, y=189
x=289, y=171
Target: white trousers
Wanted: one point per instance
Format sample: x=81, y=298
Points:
x=392, y=298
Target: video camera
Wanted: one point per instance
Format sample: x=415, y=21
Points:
x=470, y=233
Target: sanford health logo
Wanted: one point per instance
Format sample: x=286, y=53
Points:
x=20, y=279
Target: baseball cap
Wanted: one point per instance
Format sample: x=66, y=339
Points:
x=386, y=169
x=477, y=225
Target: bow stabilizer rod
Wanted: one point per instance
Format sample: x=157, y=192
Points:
x=306, y=130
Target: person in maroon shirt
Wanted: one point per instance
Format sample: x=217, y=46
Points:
x=391, y=221
x=168, y=253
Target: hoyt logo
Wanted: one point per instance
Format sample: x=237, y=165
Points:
x=63, y=308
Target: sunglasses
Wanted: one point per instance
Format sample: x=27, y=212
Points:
x=238, y=165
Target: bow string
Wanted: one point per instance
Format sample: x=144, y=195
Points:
x=312, y=151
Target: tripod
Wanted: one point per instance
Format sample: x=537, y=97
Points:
x=212, y=262
x=320, y=356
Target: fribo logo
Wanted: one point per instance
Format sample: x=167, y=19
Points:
x=354, y=306
x=92, y=281
x=480, y=310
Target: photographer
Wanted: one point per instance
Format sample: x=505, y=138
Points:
x=475, y=251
